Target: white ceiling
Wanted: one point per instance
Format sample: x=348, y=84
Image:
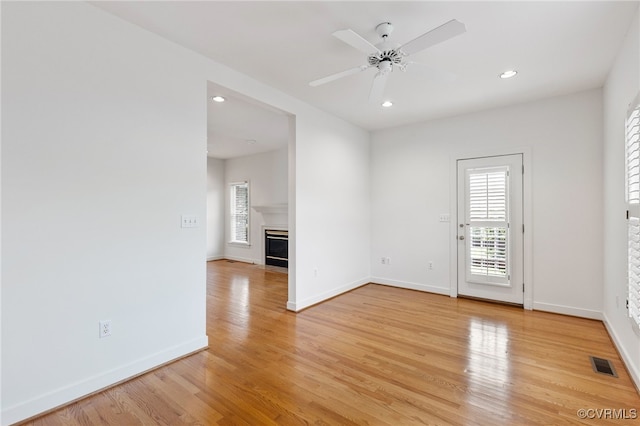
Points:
x=240, y=126
x=557, y=47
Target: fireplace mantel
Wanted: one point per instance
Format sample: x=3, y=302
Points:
x=272, y=209
x=274, y=214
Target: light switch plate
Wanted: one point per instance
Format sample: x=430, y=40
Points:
x=190, y=221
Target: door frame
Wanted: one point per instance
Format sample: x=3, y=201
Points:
x=526, y=215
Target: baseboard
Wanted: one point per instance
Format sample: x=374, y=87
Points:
x=210, y=258
x=243, y=259
x=298, y=306
x=631, y=367
x=411, y=286
x=567, y=310
x=78, y=390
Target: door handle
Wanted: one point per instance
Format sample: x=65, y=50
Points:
x=461, y=237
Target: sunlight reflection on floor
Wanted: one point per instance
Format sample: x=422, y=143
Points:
x=488, y=369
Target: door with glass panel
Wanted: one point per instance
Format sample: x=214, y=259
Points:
x=490, y=228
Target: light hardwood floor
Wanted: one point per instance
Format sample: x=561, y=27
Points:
x=376, y=355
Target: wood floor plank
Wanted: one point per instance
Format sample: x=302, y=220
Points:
x=374, y=356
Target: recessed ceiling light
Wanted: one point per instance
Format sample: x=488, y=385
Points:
x=217, y=99
x=508, y=74
x=387, y=104
x=251, y=141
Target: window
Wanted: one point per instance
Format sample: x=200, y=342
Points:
x=632, y=154
x=239, y=219
x=488, y=225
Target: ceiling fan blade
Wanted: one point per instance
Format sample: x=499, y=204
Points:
x=354, y=39
x=377, y=88
x=443, y=33
x=338, y=75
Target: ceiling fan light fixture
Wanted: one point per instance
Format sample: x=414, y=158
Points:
x=387, y=104
x=508, y=74
x=217, y=98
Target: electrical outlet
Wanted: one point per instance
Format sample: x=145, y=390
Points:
x=430, y=264
x=105, y=328
x=383, y=260
x=388, y=261
x=315, y=272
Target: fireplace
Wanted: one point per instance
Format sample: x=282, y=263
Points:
x=276, y=247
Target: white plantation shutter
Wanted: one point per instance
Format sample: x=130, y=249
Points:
x=488, y=251
x=240, y=212
x=487, y=218
x=487, y=196
x=632, y=145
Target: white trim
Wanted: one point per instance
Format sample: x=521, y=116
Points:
x=275, y=227
x=244, y=260
x=74, y=391
x=631, y=145
x=411, y=286
x=527, y=220
x=210, y=258
x=239, y=244
x=291, y=306
x=626, y=358
x=280, y=209
x=298, y=306
x=291, y=212
x=453, y=225
x=527, y=211
x=567, y=310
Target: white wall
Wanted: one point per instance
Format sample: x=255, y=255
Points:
x=333, y=211
x=215, y=208
x=103, y=140
x=623, y=84
x=103, y=143
x=268, y=185
x=411, y=188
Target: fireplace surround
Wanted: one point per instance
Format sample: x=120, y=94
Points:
x=276, y=247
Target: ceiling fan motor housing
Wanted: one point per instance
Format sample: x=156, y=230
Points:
x=393, y=57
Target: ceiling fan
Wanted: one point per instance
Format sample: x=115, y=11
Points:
x=385, y=56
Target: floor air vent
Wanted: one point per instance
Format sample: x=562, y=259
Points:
x=602, y=366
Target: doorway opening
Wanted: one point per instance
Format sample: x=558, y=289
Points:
x=253, y=143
